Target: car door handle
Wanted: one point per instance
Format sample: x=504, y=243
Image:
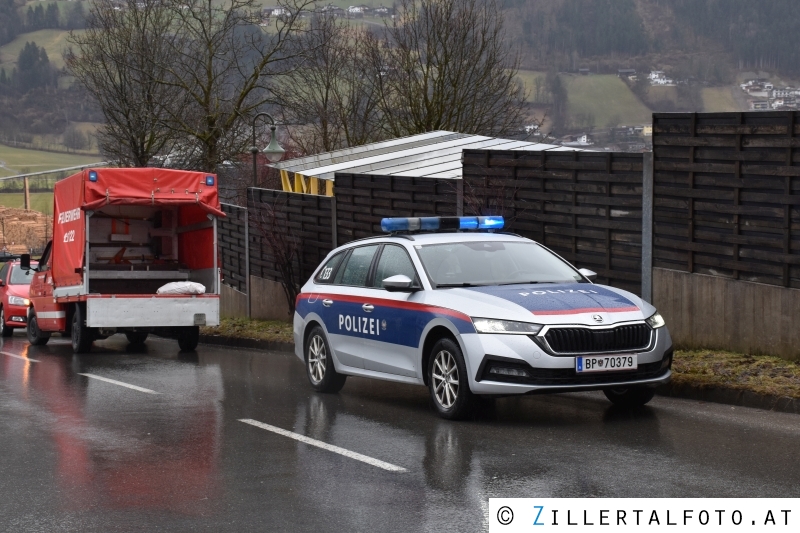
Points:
x=368, y=308
x=327, y=303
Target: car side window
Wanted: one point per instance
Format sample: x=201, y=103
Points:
x=394, y=261
x=328, y=272
x=355, y=271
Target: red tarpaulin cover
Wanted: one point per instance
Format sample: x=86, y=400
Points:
x=118, y=186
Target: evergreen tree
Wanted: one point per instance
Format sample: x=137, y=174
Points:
x=51, y=16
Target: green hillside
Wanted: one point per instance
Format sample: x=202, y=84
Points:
x=40, y=201
x=607, y=98
x=53, y=41
x=18, y=160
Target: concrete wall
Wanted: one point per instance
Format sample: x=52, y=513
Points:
x=267, y=301
x=232, y=303
x=713, y=312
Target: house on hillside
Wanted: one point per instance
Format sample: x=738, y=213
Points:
x=759, y=105
x=383, y=11
x=584, y=71
x=584, y=139
x=626, y=72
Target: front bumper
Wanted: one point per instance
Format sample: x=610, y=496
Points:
x=16, y=315
x=549, y=373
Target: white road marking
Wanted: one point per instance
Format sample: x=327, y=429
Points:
x=120, y=383
x=20, y=357
x=325, y=446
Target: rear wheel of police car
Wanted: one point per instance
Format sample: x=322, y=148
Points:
x=36, y=336
x=448, y=380
x=630, y=396
x=319, y=363
x=5, y=331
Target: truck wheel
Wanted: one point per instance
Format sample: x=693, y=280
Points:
x=36, y=336
x=5, y=331
x=81, y=335
x=188, y=338
x=136, y=337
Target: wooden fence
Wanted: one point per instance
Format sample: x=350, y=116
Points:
x=585, y=206
x=727, y=195
x=363, y=200
x=288, y=225
x=232, y=238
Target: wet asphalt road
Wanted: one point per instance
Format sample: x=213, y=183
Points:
x=81, y=454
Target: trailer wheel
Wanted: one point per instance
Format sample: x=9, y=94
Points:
x=188, y=338
x=36, y=336
x=136, y=337
x=81, y=335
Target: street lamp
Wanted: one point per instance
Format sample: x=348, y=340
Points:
x=274, y=152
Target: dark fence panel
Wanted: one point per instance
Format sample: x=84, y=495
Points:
x=585, y=206
x=283, y=219
x=362, y=201
x=231, y=240
x=727, y=195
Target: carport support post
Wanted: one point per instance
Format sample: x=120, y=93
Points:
x=247, y=255
x=647, y=227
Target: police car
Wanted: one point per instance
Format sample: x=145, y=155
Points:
x=442, y=302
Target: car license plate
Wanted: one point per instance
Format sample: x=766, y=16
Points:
x=605, y=363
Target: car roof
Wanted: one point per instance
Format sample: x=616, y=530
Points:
x=439, y=238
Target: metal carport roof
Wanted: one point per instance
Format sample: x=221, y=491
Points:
x=431, y=155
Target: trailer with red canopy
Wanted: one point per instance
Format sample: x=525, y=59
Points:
x=134, y=251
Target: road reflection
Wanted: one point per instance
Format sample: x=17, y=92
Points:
x=164, y=458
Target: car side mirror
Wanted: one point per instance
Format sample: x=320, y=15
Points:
x=25, y=261
x=588, y=274
x=399, y=283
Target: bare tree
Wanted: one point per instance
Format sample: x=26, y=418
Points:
x=270, y=221
x=446, y=66
x=121, y=60
x=224, y=65
x=331, y=94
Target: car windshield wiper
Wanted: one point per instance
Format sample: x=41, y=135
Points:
x=451, y=285
x=524, y=282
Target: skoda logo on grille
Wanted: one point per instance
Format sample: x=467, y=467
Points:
x=597, y=318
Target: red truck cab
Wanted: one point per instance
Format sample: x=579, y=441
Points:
x=120, y=235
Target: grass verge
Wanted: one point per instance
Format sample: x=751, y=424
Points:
x=761, y=374
x=262, y=330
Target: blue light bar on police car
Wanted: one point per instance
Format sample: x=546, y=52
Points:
x=441, y=223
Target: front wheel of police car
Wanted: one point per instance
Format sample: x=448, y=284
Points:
x=631, y=396
x=448, y=381
x=319, y=364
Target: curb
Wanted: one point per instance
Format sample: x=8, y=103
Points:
x=236, y=342
x=728, y=396
x=737, y=397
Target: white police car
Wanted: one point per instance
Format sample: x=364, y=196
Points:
x=474, y=313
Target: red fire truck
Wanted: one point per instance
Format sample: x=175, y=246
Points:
x=119, y=236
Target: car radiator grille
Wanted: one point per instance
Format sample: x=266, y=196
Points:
x=586, y=340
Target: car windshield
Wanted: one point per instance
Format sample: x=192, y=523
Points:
x=20, y=276
x=463, y=264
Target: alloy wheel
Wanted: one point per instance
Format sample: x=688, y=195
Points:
x=317, y=359
x=445, y=379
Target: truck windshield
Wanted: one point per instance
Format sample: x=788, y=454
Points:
x=20, y=276
x=464, y=264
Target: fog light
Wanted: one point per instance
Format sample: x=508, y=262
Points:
x=506, y=371
x=17, y=319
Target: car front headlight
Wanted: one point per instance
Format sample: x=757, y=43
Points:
x=655, y=321
x=488, y=325
x=16, y=300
